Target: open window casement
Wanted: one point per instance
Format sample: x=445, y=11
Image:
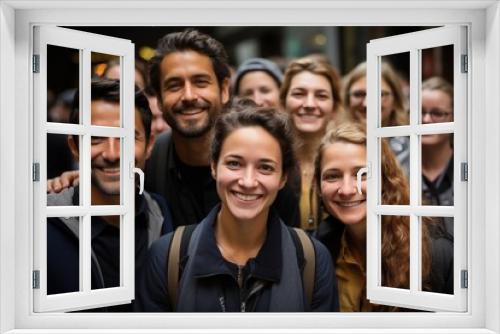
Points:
x=415, y=44
x=77, y=215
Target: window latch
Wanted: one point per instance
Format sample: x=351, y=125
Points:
x=367, y=170
x=133, y=170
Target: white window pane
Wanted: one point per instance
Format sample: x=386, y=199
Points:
x=63, y=255
x=105, y=66
x=437, y=256
x=63, y=77
x=105, y=166
x=394, y=90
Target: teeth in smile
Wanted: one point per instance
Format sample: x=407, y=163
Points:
x=349, y=204
x=191, y=111
x=246, y=197
x=111, y=170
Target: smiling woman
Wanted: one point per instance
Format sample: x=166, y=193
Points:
x=311, y=96
x=242, y=257
x=340, y=156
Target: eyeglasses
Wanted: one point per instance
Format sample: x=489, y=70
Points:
x=436, y=114
x=359, y=95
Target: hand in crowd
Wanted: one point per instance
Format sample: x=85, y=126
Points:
x=65, y=180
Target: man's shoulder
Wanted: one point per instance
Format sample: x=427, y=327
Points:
x=64, y=198
x=160, y=154
x=163, y=141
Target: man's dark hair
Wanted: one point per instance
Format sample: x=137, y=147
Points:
x=109, y=90
x=189, y=40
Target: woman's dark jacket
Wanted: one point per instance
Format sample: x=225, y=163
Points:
x=330, y=233
x=273, y=281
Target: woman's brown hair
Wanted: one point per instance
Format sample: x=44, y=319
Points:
x=395, y=252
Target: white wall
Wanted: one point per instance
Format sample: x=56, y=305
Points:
x=485, y=108
x=7, y=164
x=492, y=153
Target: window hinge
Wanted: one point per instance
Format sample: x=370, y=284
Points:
x=464, y=171
x=36, y=279
x=465, y=279
x=36, y=172
x=465, y=64
x=36, y=63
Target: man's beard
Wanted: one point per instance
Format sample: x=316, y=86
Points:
x=190, y=128
x=110, y=188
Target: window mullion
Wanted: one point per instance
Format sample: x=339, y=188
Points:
x=415, y=167
x=85, y=114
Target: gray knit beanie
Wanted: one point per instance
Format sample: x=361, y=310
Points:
x=257, y=64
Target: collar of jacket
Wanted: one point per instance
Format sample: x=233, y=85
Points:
x=208, y=261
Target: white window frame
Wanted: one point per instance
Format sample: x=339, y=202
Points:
x=483, y=21
x=412, y=44
x=85, y=43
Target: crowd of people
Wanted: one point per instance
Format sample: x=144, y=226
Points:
x=248, y=162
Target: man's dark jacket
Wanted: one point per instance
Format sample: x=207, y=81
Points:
x=63, y=244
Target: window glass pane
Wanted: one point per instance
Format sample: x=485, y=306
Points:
x=395, y=252
x=394, y=90
x=106, y=246
x=437, y=169
x=437, y=85
x=62, y=156
x=63, y=255
x=105, y=170
x=62, y=82
x=106, y=66
x=437, y=256
x=394, y=170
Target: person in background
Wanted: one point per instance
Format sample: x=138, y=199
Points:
x=311, y=96
x=393, y=111
x=158, y=124
x=190, y=77
x=112, y=71
x=437, y=150
x=241, y=256
x=341, y=154
x=152, y=216
x=260, y=80
x=59, y=157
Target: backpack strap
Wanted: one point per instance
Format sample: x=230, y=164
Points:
x=309, y=257
x=173, y=267
x=177, y=252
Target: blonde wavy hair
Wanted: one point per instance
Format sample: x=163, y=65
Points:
x=395, y=229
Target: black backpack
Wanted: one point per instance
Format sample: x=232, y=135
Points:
x=306, y=259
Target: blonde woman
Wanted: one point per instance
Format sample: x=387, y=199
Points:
x=310, y=94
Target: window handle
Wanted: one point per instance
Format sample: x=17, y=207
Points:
x=141, y=176
x=366, y=170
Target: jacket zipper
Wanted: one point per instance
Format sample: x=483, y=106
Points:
x=240, y=285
